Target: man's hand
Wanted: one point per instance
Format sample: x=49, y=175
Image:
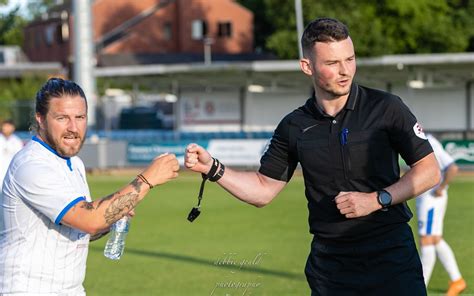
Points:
x=162, y=169
x=197, y=159
x=357, y=204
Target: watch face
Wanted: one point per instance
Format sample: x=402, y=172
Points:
x=385, y=199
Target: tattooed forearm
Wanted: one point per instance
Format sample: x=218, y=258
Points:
x=137, y=185
x=98, y=235
x=87, y=205
x=125, y=202
x=104, y=199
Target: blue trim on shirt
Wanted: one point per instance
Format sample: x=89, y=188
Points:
x=69, y=164
x=429, y=223
x=68, y=159
x=70, y=205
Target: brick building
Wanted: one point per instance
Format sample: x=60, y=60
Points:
x=147, y=31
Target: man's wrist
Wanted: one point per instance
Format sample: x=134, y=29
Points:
x=375, y=198
x=384, y=198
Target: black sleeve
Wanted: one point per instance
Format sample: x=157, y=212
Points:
x=279, y=160
x=406, y=134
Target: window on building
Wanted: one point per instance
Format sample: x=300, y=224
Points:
x=49, y=34
x=38, y=38
x=224, y=29
x=167, y=31
x=199, y=29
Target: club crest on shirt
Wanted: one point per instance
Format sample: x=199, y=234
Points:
x=419, y=131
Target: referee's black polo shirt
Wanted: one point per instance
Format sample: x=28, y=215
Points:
x=357, y=150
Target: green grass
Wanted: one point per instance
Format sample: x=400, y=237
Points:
x=233, y=243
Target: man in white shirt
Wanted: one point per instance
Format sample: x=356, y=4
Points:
x=47, y=216
x=431, y=207
x=10, y=144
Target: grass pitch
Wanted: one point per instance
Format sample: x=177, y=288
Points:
x=234, y=248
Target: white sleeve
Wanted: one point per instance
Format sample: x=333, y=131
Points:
x=18, y=144
x=444, y=159
x=46, y=190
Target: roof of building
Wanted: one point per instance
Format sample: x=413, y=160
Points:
x=445, y=69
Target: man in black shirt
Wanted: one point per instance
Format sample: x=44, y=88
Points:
x=347, y=139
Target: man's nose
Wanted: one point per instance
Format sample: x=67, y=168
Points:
x=72, y=126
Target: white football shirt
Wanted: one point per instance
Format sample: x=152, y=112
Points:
x=443, y=157
x=431, y=209
x=38, y=255
x=8, y=148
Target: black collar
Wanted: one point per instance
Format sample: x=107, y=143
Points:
x=316, y=110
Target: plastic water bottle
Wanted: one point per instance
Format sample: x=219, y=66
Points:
x=116, y=243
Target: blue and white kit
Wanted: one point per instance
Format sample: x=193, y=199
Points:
x=431, y=209
x=39, y=255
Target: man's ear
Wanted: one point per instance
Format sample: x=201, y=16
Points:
x=40, y=120
x=305, y=65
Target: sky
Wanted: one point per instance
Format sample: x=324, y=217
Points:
x=12, y=4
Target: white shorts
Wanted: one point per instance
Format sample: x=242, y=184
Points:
x=430, y=211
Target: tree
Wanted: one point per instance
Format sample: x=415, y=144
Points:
x=378, y=27
x=11, y=28
x=17, y=99
x=263, y=27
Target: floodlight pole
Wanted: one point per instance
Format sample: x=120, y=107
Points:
x=84, y=59
x=207, y=50
x=299, y=25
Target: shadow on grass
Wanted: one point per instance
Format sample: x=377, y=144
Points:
x=438, y=292
x=209, y=263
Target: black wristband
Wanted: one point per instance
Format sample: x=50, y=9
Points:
x=219, y=174
x=212, y=171
x=144, y=180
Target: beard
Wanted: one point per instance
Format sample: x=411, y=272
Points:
x=64, y=150
x=336, y=91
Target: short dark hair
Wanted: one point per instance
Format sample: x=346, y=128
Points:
x=323, y=30
x=8, y=121
x=54, y=88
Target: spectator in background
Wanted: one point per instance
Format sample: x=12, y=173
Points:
x=431, y=207
x=10, y=144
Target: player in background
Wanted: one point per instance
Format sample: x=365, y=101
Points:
x=431, y=207
x=10, y=144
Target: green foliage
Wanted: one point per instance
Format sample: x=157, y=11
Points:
x=17, y=99
x=262, y=26
x=11, y=28
x=283, y=43
x=379, y=27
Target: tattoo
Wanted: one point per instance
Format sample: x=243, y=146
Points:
x=137, y=185
x=124, y=202
x=87, y=205
x=110, y=196
x=98, y=235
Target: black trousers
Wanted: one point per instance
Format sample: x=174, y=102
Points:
x=387, y=266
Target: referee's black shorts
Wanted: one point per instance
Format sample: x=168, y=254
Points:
x=388, y=266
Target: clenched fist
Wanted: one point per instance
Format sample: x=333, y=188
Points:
x=197, y=159
x=162, y=169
